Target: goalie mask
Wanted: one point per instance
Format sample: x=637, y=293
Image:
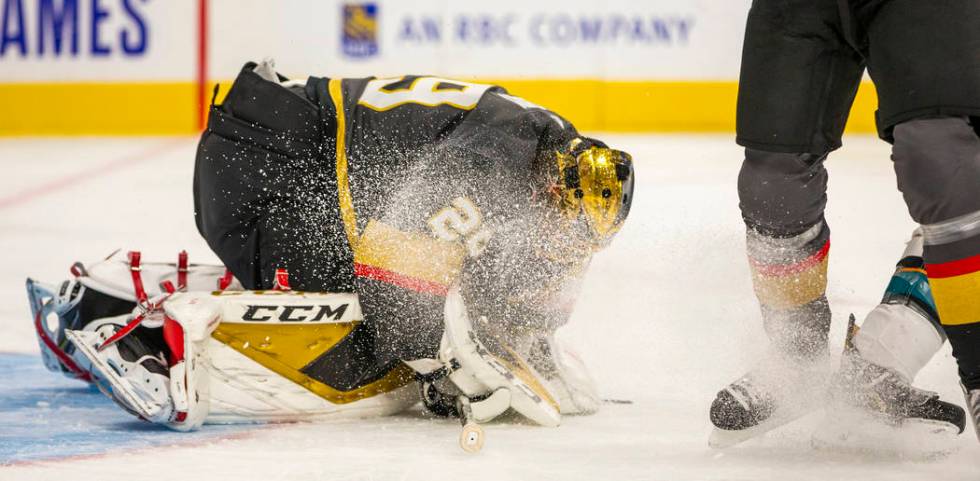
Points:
x=593, y=189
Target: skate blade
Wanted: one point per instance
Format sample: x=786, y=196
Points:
x=724, y=438
x=913, y=439
x=86, y=342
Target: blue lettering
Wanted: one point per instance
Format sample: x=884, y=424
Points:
x=662, y=30
x=426, y=29
x=563, y=30
x=535, y=26
x=138, y=46
x=684, y=29
x=432, y=28
x=462, y=28
x=407, y=31
x=487, y=32
x=590, y=29
x=618, y=24
x=637, y=33
x=485, y=29
x=12, y=9
x=507, y=30
x=56, y=20
x=99, y=15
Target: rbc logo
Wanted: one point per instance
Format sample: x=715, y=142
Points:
x=360, y=30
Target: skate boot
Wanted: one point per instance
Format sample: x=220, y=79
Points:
x=973, y=408
x=70, y=306
x=787, y=384
x=131, y=361
x=887, y=394
x=98, y=298
x=777, y=391
x=873, y=408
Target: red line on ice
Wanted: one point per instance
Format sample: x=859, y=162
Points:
x=71, y=180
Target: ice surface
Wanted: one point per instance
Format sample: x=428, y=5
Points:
x=667, y=318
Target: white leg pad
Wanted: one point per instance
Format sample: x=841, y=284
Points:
x=898, y=337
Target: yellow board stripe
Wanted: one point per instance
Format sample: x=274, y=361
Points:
x=143, y=108
x=152, y=108
x=343, y=182
x=957, y=299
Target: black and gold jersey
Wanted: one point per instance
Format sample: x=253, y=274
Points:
x=443, y=128
x=396, y=189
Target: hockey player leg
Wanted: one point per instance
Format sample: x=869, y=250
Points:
x=937, y=161
x=796, y=85
x=873, y=404
x=782, y=200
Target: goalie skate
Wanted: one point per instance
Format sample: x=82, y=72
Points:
x=137, y=380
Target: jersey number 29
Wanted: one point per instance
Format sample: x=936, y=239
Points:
x=381, y=94
x=461, y=220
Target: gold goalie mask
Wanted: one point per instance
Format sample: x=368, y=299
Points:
x=594, y=188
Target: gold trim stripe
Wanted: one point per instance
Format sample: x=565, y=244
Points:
x=409, y=254
x=522, y=371
x=957, y=299
x=285, y=349
x=788, y=291
x=343, y=181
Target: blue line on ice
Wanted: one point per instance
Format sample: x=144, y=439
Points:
x=45, y=416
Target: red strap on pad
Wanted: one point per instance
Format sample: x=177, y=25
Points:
x=225, y=280
x=134, y=270
x=168, y=287
x=141, y=301
x=173, y=335
x=78, y=270
x=282, y=280
x=122, y=332
x=182, y=270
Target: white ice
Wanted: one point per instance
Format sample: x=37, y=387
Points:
x=667, y=318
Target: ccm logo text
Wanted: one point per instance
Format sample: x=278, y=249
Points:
x=258, y=313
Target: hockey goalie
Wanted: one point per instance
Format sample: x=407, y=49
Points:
x=382, y=240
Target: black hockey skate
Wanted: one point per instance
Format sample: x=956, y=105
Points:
x=973, y=407
x=775, y=393
x=872, y=408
